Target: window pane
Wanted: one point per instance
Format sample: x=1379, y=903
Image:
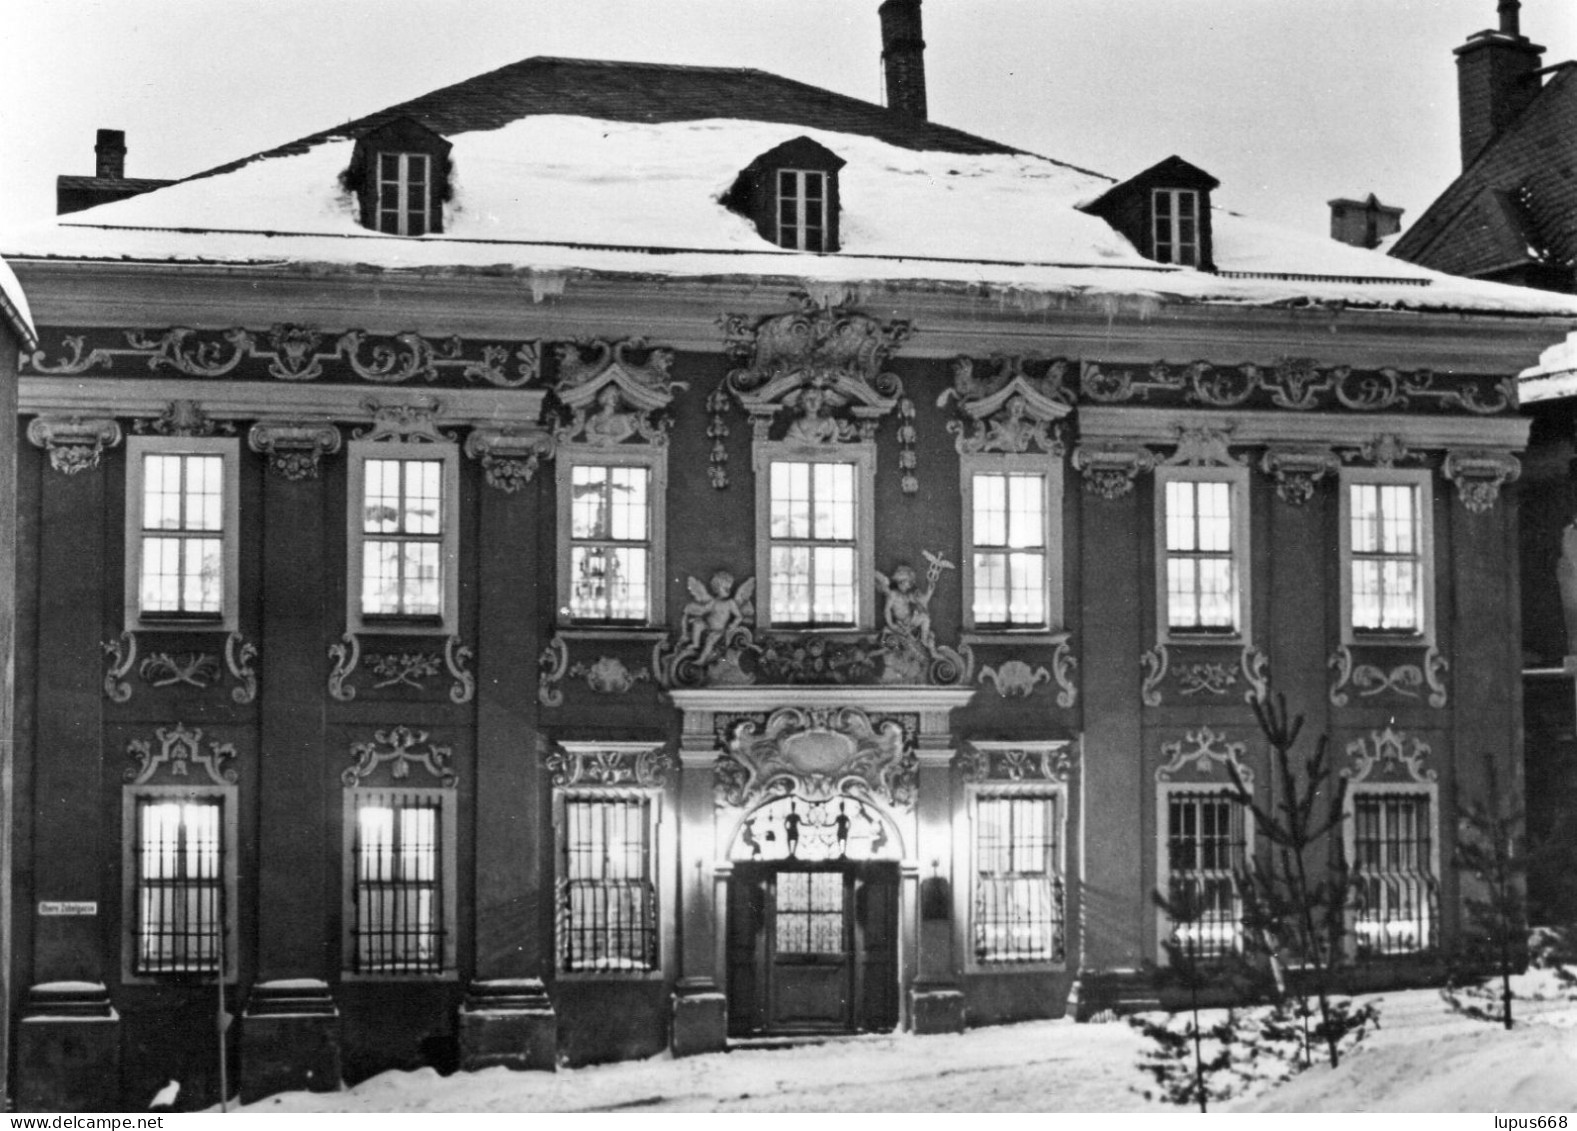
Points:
x=991, y=588
x=381, y=491
x=380, y=574
x=203, y=573
x=790, y=500
x=423, y=496
x=629, y=514
x=419, y=589
x=991, y=510
x=1027, y=509
x=1180, y=516
x=835, y=502
x=161, y=575
x=791, y=584
x=1028, y=602
x=834, y=585
x=1215, y=517
x=588, y=502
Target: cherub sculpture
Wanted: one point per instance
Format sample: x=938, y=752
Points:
x=908, y=608
x=713, y=616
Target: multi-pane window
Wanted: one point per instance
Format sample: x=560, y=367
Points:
x=1202, y=559
x=610, y=543
x=404, y=183
x=802, y=209
x=1176, y=226
x=1386, y=552
x=607, y=899
x=178, y=886
x=809, y=914
x=814, y=563
x=397, y=896
x=1010, y=549
x=1393, y=868
x=1018, y=913
x=402, y=523
x=1206, y=848
x=183, y=515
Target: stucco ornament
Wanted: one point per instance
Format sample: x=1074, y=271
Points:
x=1479, y=475
x=816, y=754
x=1205, y=754
x=74, y=443
x=180, y=749
x=1014, y=678
x=1016, y=761
x=1389, y=753
x=1008, y=411
x=613, y=393
x=1409, y=680
x=609, y=675
x=714, y=635
x=910, y=650
x=611, y=764
x=400, y=748
x=295, y=448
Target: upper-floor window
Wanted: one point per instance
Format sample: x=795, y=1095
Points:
x=181, y=532
x=1175, y=226
x=180, y=882
x=813, y=546
x=399, y=881
x=1392, y=845
x=403, y=536
x=1203, y=534
x=611, y=506
x=1387, y=573
x=1012, y=519
x=802, y=209
x=404, y=193
x=791, y=194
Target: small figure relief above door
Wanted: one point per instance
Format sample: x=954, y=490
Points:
x=791, y=828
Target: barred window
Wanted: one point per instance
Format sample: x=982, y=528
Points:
x=179, y=901
x=802, y=209
x=607, y=912
x=1176, y=230
x=1018, y=897
x=610, y=543
x=1202, y=560
x=397, y=894
x=1009, y=535
x=1387, y=558
x=1206, y=847
x=404, y=180
x=814, y=563
x=1393, y=868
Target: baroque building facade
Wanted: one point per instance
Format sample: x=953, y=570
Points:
x=631, y=649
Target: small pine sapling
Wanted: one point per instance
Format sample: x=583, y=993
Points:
x=1493, y=849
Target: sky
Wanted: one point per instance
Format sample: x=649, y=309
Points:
x=1289, y=103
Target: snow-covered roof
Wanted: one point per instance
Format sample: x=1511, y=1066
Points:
x=1554, y=377
x=13, y=306
x=554, y=194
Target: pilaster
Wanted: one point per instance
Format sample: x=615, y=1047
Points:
x=700, y=1008
x=936, y=1000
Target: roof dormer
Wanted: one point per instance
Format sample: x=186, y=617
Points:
x=791, y=193
x=1164, y=212
x=400, y=175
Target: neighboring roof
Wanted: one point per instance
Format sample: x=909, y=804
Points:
x=127, y=185
x=13, y=306
x=1554, y=377
x=1516, y=202
x=549, y=195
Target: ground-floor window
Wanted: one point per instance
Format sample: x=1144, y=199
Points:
x=607, y=897
x=179, y=903
x=399, y=872
x=1206, y=848
x=1018, y=899
x=1392, y=864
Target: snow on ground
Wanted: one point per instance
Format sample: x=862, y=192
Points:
x=1425, y=1057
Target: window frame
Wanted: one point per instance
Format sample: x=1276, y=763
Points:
x=447, y=620
x=1429, y=792
x=862, y=455
x=1049, y=468
x=447, y=875
x=801, y=225
x=1054, y=793
x=1173, y=222
x=655, y=460
x=132, y=797
x=658, y=854
x=229, y=451
x=1422, y=480
x=1165, y=792
x=404, y=208
x=1237, y=479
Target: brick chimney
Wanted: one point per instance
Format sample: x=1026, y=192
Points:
x=903, y=56
x=1495, y=80
x=1363, y=223
x=110, y=154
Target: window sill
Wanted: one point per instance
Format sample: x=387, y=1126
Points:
x=402, y=626
x=610, y=975
x=1202, y=640
x=1016, y=636
x=166, y=623
x=378, y=976
x=989, y=969
x=647, y=633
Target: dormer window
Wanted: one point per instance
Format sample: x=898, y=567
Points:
x=1175, y=226
x=399, y=173
x=1164, y=212
x=791, y=194
x=404, y=192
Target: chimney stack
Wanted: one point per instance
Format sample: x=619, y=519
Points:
x=1363, y=223
x=1496, y=79
x=110, y=153
x=903, y=56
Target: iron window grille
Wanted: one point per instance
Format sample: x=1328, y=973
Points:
x=610, y=543
x=1393, y=874
x=1206, y=850
x=802, y=209
x=1010, y=549
x=1176, y=226
x=607, y=899
x=179, y=885
x=404, y=184
x=1019, y=897
x=397, y=894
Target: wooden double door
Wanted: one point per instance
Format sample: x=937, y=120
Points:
x=812, y=947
